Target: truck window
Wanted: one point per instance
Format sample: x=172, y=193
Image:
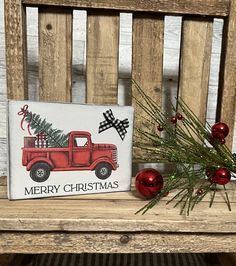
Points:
x=80, y=142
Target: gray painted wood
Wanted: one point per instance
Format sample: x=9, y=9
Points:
x=171, y=62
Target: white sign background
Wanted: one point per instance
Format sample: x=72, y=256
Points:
x=67, y=117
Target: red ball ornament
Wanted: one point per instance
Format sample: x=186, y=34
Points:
x=160, y=128
x=199, y=192
x=221, y=176
x=219, y=131
x=173, y=119
x=179, y=116
x=149, y=182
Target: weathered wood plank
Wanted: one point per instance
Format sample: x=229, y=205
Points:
x=113, y=243
x=102, y=57
x=113, y=215
x=226, y=106
x=55, y=54
x=197, y=7
x=15, y=30
x=3, y=192
x=195, y=59
x=3, y=180
x=147, y=62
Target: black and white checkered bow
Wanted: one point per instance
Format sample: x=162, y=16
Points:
x=111, y=121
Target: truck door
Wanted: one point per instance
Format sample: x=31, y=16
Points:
x=81, y=151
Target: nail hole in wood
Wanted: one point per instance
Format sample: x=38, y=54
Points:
x=48, y=26
x=124, y=239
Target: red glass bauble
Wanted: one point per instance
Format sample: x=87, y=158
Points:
x=149, y=182
x=221, y=176
x=173, y=119
x=219, y=131
x=179, y=116
x=160, y=128
x=199, y=191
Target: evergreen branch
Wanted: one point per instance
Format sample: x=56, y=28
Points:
x=213, y=196
x=227, y=198
x=55, y=136
x=189, y=144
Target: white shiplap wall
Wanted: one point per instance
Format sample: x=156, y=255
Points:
x=171, y=61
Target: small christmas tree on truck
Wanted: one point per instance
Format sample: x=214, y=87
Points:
x=43, y=129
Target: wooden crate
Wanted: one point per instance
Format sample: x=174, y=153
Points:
x=107, y=223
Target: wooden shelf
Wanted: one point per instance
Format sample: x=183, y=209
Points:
x=107, y=222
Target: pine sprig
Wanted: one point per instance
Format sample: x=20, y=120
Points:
x=188, y=144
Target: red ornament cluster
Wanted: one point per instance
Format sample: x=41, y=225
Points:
x=174, y=119
x=220, y=176
x=148, y=182
x=220, y=131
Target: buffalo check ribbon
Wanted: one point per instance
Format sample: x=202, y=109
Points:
x=111, y=121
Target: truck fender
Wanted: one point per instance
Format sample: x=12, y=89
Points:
x=103, y=160
x=38, y=160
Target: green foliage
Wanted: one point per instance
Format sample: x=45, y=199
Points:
x=56, y=137
x=188, y=144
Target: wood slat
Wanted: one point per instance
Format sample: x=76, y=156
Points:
x=55, y=54
x=113, y=215
x=226, y=106
x=53, y=242
x=3, y=180
x=197, y=7
x=147, y=62
x=102, y=57
x=16, y=61
x=195, y=59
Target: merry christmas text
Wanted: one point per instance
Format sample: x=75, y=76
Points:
x=71, y=188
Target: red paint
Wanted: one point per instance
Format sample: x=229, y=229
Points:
x=148, y=182
x=219, y=131
x=173, y=119
x=81, y=154
x=221, y=176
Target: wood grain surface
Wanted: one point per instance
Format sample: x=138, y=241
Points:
x=171, y=63
x=195, y=59
x=227, y=88
x=197, y=7
x=147, y=62
x=102, y=222
x=55, y=54
x=102, y=57
x=97, y=223
x=115, y=212
x=53, y=242
x=15, y=25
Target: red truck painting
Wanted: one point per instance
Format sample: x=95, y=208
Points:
x=81, y=154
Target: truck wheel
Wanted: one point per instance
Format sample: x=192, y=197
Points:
x=40, y=172
x=103, y=170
